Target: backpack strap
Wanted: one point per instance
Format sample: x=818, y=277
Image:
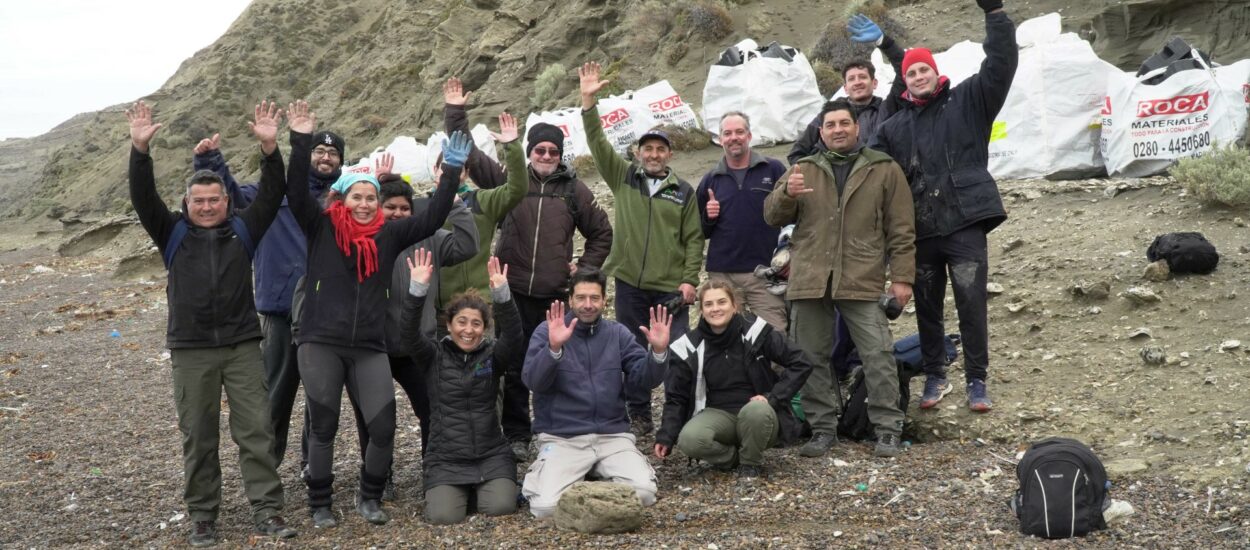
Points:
x=180, y=232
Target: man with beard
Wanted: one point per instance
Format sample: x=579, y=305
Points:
x=941, y=138
x=280, y=262
x=731, y=208
x=580, y=366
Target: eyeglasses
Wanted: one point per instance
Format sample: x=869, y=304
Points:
x=546, y=151
x=323, y=152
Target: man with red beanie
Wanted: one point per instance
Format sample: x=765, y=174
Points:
x=941, y=139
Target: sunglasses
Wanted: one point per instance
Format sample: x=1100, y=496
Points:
x=547, y=151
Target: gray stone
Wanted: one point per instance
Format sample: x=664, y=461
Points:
x=1157, y=272
x=1153, y=355
x=1125, y=466
x=1140, y=295
x=1097, y=290
x=597, y=507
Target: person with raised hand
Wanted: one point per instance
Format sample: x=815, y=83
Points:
x=342, y=334
x=859, y=79
x=468, y=455
x=281, y=257
x=724, y=403
x=485, y=172
x=213, y=334
x=580, y=366
x=657, y=240
x=941, y=139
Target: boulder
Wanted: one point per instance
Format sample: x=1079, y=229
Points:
x=598, y=507
x=1157, y=272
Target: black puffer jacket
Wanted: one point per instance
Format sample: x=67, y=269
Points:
x=210, y=281
x=467, y=445
x=765, y=346
x=943, y=145
x=336, y=308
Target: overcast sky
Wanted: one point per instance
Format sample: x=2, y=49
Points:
x=59, y=58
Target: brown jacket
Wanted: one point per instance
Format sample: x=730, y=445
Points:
x=851, y=241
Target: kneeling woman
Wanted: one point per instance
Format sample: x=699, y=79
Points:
x=468, y=453
x=724, y=404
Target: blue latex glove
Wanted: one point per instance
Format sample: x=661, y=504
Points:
x=862, y=29
x=456, y=149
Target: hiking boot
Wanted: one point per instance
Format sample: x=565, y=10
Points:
x=750, y=471
x=978, y=397
x=275, y=527
x=204, y=533
x=641, y=425
x=818, y=445
x=521, y=450
x=887, y=446
x=389, y=493
x=935, y=388
x=371, y=510
x=323, y=517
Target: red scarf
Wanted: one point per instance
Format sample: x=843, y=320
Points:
x=347, y=231
x=942, y=83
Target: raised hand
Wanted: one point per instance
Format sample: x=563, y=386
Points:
x=456, y=149
x=498, y=273
x=208, y=144
x=453, y=92
x=588, y=78
x=264, y=125
x=862, y=29
x=507, y=129
x=141, y=127
x=422, y=268
x=657, y=333
x=383, y=165
x=300, y=118
x=795, y=185
x=713, y=205
x=558, y=333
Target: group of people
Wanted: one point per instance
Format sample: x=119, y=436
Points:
x=359, y=282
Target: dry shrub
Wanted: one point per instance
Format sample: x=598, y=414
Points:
x=584, y=165
x=709, y=20
x=648, y=22
x=375, y=122
x=687, y=139
x=835, y=47
x=547, y=83
x=828, y=80
x=1221, y=176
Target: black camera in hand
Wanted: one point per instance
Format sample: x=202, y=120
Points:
x=675, y=303
x=889, y=304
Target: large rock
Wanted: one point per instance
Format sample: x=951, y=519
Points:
x=597, y=507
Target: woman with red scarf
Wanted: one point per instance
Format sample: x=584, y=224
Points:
x=342, y=340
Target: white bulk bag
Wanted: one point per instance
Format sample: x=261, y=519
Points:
x=570, y=122
x=666, y=105
x=780, y=96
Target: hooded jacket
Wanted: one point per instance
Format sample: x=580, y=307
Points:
x=583, y=392
x=281, y=256
x=685, y=388
x=338, y=309
x=210, y=279
x=851, y=237
x=943, y=146
x=657, y=242
x=536, y=240
x=739, y=239
x=448, y=248
x=467, y=446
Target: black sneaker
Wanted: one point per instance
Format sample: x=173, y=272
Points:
x=641, y=425
x=203, y=534
x=275, y=527
x=935, y=388
x=323, y=517
x=818, y=445
x=978, y=397
x=888, y=445
x=371, y=510
x=750, y=471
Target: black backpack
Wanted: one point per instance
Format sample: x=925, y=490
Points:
x=1063, y=488
x=1188, y=252
x=854, y=422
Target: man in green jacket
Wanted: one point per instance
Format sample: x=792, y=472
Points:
x=657, y=240
x=853, y=215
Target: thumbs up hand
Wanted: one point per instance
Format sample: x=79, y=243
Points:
x=713, y=205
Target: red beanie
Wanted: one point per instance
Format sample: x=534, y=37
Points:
x=919, y=55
